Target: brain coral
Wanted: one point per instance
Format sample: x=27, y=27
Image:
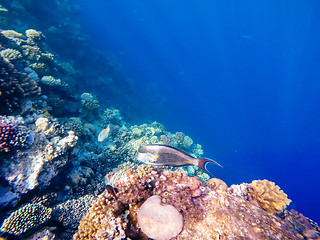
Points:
x=158, y=221
x=268, y=195
x=25, y=218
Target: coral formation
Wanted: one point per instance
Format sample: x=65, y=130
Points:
x=62, y=172
x=159, y=221
x=51, y=81
x=216, y=212
x=10, y=54
x=75, y=124
x=70, y=212
x=42, y=124
x=34, y=36
x=217, y=183
x=31, y=168
x=25, y=218
x=11, y=137
x=268, y=195
x=14, y=87
x=28, y=50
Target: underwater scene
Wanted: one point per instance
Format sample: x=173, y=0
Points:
x=172, y=119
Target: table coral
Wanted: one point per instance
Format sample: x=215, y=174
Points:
x=25, y=218
x=215, y=212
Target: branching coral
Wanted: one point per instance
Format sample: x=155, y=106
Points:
x=268, y=195
x=25, y=218
x=14, y=87
x=28, y=50
x=10, y=54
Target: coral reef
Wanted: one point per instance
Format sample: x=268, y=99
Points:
x=11, y=54
x=29, y=50
x=14, y=87
x=42, y=124
x=216, y=212
x=29, y=168
x=12, y=137
x=51, y=158
x=51, y=81
x=268, y=195
x=90, y=106
x=70, y=212
x=25, y=218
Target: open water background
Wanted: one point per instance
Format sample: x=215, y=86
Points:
x=242, y=78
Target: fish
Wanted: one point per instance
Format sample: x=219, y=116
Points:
x=104, y=134
x=165, y=155
x=111, y=190
x=3, y=9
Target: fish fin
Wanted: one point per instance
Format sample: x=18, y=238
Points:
x=202, y=163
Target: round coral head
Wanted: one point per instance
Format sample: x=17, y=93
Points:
x=158, y=221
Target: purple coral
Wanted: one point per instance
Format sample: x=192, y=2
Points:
x=11, y=137
x=7, y=137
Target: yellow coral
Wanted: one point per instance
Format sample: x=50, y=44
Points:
x=268, y=195
x=12, y=34
x=32, y=53
x=10, y=54
x=144, y=170
x=25, y=218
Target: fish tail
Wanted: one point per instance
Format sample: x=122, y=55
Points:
x=202, y=163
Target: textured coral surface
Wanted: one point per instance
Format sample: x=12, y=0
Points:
x=14, y=86
x=215, y=212
x=27, y=217
x=268, y=195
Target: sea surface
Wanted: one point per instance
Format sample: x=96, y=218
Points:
x=239, y=77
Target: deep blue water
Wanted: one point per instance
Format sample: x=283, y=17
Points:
x=240, y=77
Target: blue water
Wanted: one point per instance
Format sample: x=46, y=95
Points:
x=240, y=77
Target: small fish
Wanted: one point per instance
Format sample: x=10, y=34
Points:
x=111, y=190
x=104, y=134
x=164, y=155
x=3, y=9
